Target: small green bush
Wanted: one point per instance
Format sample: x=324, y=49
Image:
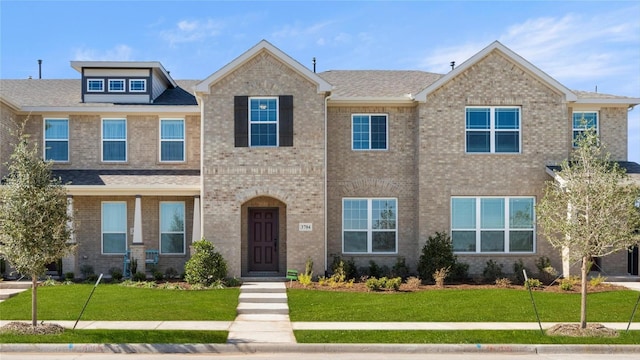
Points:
x=518, y=275
x=139, y=276
x=233, y=282
x=400, y=268
x=437, y=253
x=597, y=281
x=116, y=274
x=206, y=266
x=372, y=284
x=304, y=279
x=347, y=268
x=393, y=283
x=374, y=269
x=158, y=275
x=532, y=284
x=69, y=276
x=566, y=285
x=492, y=272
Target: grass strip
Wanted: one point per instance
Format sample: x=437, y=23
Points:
x=453, y=337
x=120, y=337
x=469, y=305
x=116, y=302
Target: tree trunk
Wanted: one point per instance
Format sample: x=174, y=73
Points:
x=34, y=300
x=583, y=293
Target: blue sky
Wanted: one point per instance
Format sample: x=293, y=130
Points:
x=582, y=44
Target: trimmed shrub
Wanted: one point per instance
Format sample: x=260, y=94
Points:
x=436, y=254
x=206, y=266
x=116, y=274
x=492, y=272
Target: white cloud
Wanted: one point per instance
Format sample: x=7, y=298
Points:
x=117, y=53
x=570, y=48
x=187, y=31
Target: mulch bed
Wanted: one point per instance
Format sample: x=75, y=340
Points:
x=360, y=287
x=574, y=330
x=23, y=328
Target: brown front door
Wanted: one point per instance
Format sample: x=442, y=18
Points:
x=263, y=239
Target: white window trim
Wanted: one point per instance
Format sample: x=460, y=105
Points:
x=184, y=142
x=102, y=232
x=126, y=144
x=507, y=226
x=183, y=232
x=573, y=128
x=44, y=140
x=95, y=80
x=386, y=133
x=277, y=99
x=370, y=229
x=492, y=130
x=144, y=81
x=124, y=85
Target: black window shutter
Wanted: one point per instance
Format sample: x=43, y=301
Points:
x=241, y=120
x=286, y=120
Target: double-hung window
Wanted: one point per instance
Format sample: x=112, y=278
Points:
x=95, y=85
x=114, y=227
x=114, y=140
x=493, y=129
x=56, y=139
x=137, y=85
x=493, y=224
x=369, y=225
x=116, y=85
x=172, y=232
x=369, y=132
x=583, y=120
x=172, y=143
x=263, y=121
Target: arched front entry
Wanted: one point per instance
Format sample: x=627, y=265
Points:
x=264, y=237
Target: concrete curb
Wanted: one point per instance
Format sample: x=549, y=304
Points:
x=320, y=348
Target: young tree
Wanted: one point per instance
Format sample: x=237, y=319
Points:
x=33, y=216
x=589, y=209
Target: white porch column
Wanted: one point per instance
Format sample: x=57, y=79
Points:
x=69, y=260
x=197, y=222
x=137, y=221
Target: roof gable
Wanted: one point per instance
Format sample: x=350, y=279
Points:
x=205, y=85
x=496, y=46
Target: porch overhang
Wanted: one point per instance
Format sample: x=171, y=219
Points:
x=109, y=182
x=632, y=169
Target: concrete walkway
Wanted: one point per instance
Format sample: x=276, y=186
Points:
x=263, y=315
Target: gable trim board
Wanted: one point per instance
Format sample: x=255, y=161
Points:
x=205, y=85
x=496, y=46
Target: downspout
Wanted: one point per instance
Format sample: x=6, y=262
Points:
x=326, y=210
x=201, y=103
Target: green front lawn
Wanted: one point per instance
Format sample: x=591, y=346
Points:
x=454, y=305
x=120, y=337
x=455, y=337
x=115, y=302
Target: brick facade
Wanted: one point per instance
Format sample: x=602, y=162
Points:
x=424, y=166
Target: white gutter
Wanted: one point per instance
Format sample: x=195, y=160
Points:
x=136, y=109
x=129, y=190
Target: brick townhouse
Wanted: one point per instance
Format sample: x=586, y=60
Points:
x=275, y=163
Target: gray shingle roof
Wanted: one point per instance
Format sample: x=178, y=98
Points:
x=595, y=95
x=67, y=93
x=378, y=83
x=108, y=177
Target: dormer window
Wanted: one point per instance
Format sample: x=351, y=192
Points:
x=137, y=85
x=95, y=85
x=116, y=85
